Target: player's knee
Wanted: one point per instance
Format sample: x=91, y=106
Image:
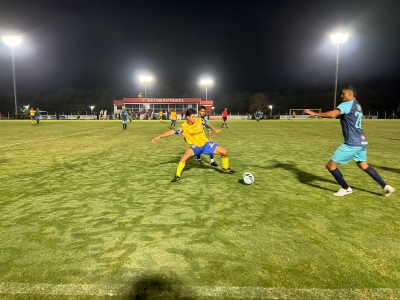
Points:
x=362, y=165
x=330, y=166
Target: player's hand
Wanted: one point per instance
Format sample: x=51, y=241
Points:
x=155, y=139
x=218, y=130
x=308, y=112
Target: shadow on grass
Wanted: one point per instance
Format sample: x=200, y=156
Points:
x=157, y=287
x=309, y=178
x=394, y=170
x=303, y=177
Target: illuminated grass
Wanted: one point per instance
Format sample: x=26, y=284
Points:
x=86, y=203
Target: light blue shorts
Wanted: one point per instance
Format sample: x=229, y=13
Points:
x=208, y=149
x=345, y=153
x=124, y=121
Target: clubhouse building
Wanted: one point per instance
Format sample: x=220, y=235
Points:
x=154, y=105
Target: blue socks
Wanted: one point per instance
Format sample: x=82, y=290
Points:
x=339, y=178
x=374, y=174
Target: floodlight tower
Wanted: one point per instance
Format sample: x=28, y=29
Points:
x=91, y=109
x=337, y=38
x=145, y=79
x=12, y=42
x=206, y=82
x=270, y=113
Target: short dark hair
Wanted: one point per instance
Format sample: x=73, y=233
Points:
x=352, y=88
x=202, y=107
x=190, y=112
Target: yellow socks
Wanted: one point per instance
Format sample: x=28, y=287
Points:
x=180, y=168
x=225, y=162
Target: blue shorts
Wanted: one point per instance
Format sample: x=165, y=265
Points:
x=173, y=121
x=124, y=121
x=208, y=148
x=33, y=118
x=345, y=153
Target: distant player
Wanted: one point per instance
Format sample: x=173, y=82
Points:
x=259, y=115
x=355, y=142
x=32, y=114
x=160, y=114
x=192, y=130
x=172, y=117
x=124, y=115
x=37, y=115
x=202, y=114
x=224, y=118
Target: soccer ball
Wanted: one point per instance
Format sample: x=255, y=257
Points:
x=247, y=178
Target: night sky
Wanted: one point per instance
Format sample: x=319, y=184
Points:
x=250, y=46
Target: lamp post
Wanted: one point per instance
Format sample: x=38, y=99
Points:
x=206, y=82
x=270, y=113
x=213, y=111
x=337, y=38
x=91, y=110
x=12, y=42
x=145, y=79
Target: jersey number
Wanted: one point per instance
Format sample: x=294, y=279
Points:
x=359, y=116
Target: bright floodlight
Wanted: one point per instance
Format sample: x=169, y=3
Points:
x=92, y=107
x=270, y=107
x=12, y=41
x=145, y=78
x=339, y=38
x=206, y=81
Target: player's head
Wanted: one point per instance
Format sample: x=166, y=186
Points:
x=123, y=109
x=190, y=115
x=226, y=108
x=202, y=110
x=349, y=93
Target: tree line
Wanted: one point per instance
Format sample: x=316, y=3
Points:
x=78, y=101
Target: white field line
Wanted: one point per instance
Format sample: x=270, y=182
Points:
x=52, y=138
x=197, y=291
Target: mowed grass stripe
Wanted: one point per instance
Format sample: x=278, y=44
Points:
x=197, y=291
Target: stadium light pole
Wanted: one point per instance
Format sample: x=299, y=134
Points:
x=12, y=42
x=145, y=79
x=91, y=110
x=206, y=82
x=270, y=113
x=337, y=38
x=213, y=111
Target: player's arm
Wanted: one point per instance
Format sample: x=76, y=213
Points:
x=328, y=114
x=212, y=127
x=164, y=135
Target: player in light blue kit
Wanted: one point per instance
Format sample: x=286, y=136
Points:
x=355, y=142
x=124, y=115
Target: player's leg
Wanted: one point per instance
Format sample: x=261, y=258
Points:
x=188, y=154
x=361, y=160
x=341, y=156
x=212, y=162
x=224, y=158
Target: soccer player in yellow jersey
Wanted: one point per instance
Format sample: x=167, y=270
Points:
x=160, y=114
x=32, y=114
x=172, y=116
x=192, y=130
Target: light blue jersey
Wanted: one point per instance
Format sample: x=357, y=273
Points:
x=351, y=115
x=206, y=121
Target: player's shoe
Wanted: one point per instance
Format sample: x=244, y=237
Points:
x=388, y=190
x=342, y=192
x=229, y=170
x=214, y=164
x=175, y=179
x=200, y=161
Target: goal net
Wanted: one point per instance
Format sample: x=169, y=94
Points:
x=298, y=114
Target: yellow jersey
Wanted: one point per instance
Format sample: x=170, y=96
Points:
x=32, y=112
x=173, y=115
x=194, y=134
x=160, y=113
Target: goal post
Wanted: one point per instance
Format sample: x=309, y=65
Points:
x=298, y=113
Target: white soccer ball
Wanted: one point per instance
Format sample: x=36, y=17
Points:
x=247, y=178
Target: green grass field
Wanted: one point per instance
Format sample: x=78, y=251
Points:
x=87, y=211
